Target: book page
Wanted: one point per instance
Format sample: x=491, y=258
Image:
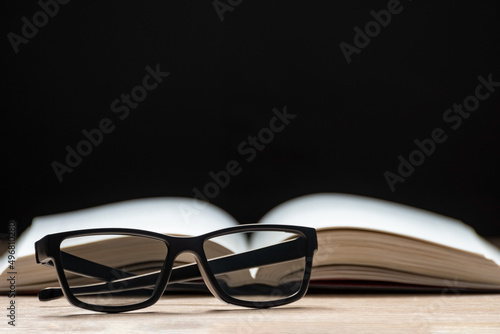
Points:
x=172, y=215
x=330, y=210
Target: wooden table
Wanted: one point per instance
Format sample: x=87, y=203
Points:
x=316, y=313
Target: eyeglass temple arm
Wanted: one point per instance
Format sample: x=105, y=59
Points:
x=285, y=251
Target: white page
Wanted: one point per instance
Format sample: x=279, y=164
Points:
x=343, y=210
x=172, y=215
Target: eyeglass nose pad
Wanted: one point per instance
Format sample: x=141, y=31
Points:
x=207, y=281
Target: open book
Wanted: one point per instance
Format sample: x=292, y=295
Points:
x=362, y=242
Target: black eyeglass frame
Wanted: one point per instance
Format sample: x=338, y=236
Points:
x=48, y=252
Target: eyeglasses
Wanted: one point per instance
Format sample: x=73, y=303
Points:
x=118, y=270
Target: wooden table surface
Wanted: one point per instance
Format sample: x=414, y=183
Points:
x=315, y=313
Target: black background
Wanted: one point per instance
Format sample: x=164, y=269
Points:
x=353, y=120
